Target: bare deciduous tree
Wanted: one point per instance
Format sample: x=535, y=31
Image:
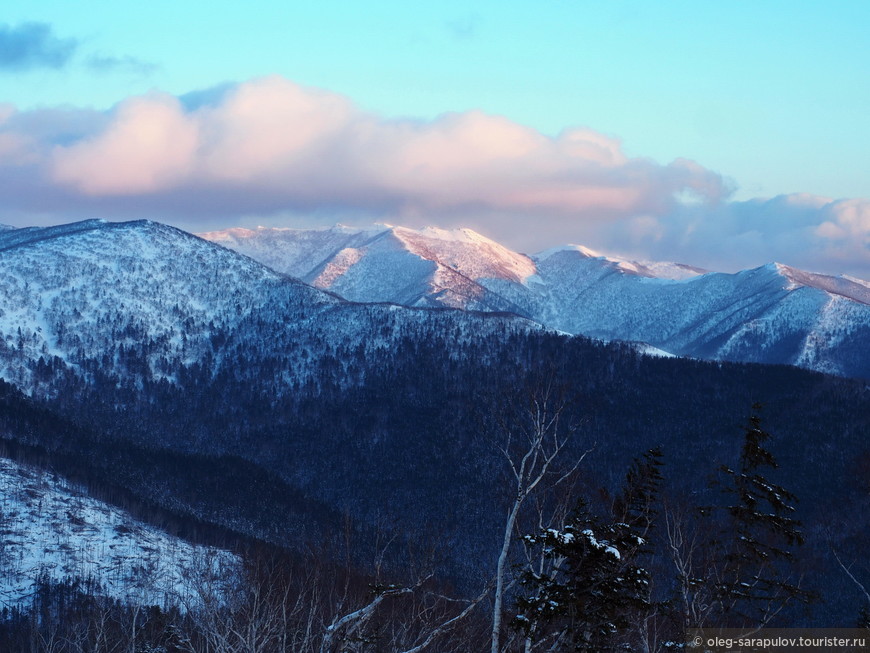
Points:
x=535, y=438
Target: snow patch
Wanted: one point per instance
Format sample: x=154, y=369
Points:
x=52, y=528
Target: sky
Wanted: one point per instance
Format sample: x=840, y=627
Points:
x=720, y=134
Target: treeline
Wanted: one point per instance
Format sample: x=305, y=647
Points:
x=269, y=604
x=397, y=437
x=224, y=501
x=629, y=572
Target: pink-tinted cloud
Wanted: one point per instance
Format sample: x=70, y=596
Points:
x=270, y=147
x=149, y=146
x=264, y=130
x=270, y=141
x=849, y=221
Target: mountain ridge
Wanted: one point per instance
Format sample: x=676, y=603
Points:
x=749, y=315
x=168, y=298
x=158, y=342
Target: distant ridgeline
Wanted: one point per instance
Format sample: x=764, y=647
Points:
x=772, y=314
x=214, y=388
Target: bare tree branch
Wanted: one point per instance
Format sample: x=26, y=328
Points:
x=851, y=575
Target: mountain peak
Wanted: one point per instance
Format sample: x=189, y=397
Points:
x=844, y=286
x=461, y=235
x=580, y=249
x=576, y=289
x=467, y=252
x=654, y=269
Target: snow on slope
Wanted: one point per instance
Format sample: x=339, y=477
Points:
x=761, y=315
x=653, y=269
x=53, y=528
x=137, y=301
x=380, y=269
x=427, y=267
x=846, y=286
x=91, y=288
x=382, y=263
x=467, y=252
x=293, y=251
x=771, y=314
x=298, y=252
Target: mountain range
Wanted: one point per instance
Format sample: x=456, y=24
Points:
x=232, y=393
x=94, y=295
x=770, y=314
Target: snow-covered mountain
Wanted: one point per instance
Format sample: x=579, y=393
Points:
x=772, y=314
x=150, y=298
x=141, y=301
x=95, y=288
x=51, y=529
x=211, y=386
x=429, y=267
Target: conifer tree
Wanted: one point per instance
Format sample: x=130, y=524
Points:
x=752, y=579
x=593, y=592
x=637, y=505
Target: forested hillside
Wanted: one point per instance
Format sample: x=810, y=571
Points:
x=201, y=390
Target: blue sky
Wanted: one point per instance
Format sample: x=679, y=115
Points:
x=768, y=97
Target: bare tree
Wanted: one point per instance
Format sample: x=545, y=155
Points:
x=350, y=624
x=864, y=614
x=534, y=440
x=433, y=631
x=688, y=555
x=848, y=572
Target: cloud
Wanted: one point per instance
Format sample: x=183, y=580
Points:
x=103, y=63
x=33, y=45
x=464, y=28
x=807, y=231
x=147, y=147
x=270, y=147
x=272, y=144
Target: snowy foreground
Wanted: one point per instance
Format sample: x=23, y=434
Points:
x=52, y=528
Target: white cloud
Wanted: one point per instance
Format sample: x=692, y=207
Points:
x=802, y=230
x=149, y=146
x=288, y=146
x=272, y=147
